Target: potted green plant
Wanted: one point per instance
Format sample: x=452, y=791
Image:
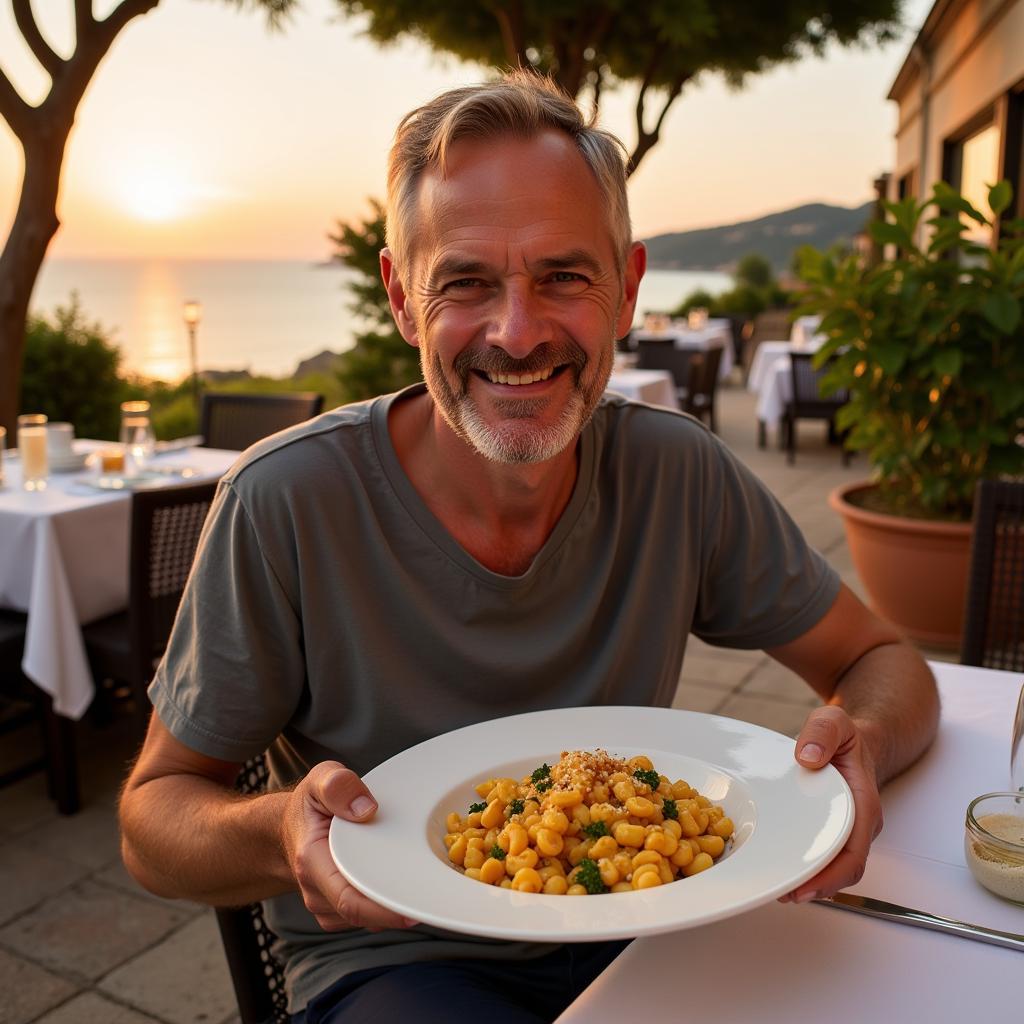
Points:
x=930, y=347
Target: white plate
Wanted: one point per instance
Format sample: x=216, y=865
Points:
x=790, y=822
x=68, y=464
x=115, y=482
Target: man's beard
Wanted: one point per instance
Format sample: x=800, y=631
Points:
x=516, y=440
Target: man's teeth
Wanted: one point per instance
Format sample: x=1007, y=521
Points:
x=520, y=378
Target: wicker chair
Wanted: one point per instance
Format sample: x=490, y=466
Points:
x=771, y=325
x=993, y=634
x=807, y=403
x=256, y=975
x=166, y=523
x=236, y=421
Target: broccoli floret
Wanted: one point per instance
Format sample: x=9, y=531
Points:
x=589, y=876
x=515, y=806
x=473, y=808
x=596, y=829
x=543, y=772
x=648, y=775
x=497, y=852
x=670, y=810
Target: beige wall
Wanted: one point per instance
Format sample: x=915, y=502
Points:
x=971, y=67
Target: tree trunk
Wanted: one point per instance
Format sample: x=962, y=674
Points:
x=35, y=224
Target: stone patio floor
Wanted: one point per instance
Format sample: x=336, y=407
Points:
x=81, y=943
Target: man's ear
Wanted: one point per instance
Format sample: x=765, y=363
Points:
x=397, y=299
x=636, y=265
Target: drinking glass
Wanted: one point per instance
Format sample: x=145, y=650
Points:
x=32, y=450
x=3, y=445
x=137, y=439
x=1017, y=747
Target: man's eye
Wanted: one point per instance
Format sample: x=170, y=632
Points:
x=562, y=276
x=465, y=282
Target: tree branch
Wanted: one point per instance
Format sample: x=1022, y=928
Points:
x=13, y=109
x=647, y=140
x=50, y=60
x=83, y=15
x=510, y=23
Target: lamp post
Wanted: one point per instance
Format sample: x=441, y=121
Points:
x=192, y=312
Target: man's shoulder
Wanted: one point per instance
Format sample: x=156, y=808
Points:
x=640, y=423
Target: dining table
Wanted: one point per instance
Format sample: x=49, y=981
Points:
x=716, y=333
x=64, y=560
x=787, y=962
x=655, y=387
x=770, y=379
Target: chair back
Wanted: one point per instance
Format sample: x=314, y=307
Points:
x=166, y=524
x=993, y=634
x=256, y=974
x=807, y=398
x=703, y=386
x=771, y=325
x=236, y=421
x=663, y=355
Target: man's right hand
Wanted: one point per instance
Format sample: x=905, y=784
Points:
x=330, y=789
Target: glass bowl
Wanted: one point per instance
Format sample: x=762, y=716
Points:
x=994, y=843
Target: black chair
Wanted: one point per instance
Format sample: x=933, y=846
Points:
x=807, y=403
x=23, y=704
x=236, y=421
x=771, y=325
x=663, y=355
x=166, y=523
x=256, y=974
x=993, y=634
x=703, y=386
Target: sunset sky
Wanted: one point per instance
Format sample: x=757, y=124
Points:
x=203, y=135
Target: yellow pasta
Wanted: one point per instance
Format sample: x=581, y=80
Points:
x=592, y=823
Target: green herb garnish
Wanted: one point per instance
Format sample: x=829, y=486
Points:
x=515, y=806
x=649, y=776
x=670, y=810
x=543, y=772
x=589, y=876
x=543, y=786
x=473, y=808
x=497, y=852
x=596, y=829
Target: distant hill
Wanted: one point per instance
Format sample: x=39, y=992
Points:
x=775, y=237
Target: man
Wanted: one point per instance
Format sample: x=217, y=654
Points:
x=501, y=540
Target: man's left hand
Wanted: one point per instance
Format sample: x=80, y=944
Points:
x=830, y=736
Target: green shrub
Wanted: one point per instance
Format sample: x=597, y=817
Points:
x=70, y=372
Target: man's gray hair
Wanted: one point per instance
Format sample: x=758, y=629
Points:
x=521, y=104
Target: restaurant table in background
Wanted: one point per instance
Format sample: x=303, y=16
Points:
x=770, y=379
x=804, y=330
x=791, y=963
x=64, y=561
x=714, y=334
x=655, y=387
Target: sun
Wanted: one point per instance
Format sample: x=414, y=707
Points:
x=155, y=194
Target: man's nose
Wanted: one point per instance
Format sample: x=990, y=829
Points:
x=518, y=324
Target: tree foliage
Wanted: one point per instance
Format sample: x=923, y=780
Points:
x=381, y=360
x=588, y=46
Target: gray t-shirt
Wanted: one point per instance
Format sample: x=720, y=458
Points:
x=330, y=615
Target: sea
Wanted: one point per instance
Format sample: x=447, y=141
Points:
x=263, y=316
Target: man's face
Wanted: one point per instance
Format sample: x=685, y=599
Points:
x=513, y=294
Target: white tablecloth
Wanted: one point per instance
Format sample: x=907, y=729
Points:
x=789, y=963
x=655, y=387
x=805, y=328
x=770, y=379
x=715, y=334
x=64, y=561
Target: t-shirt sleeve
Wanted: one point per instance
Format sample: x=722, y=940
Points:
x=762, y=584
x=234, y=669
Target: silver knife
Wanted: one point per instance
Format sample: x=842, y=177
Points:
x=921, y=919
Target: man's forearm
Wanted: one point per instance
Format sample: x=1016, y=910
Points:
x=188, y=837
x=890, y=694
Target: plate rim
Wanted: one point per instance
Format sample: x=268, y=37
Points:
x=653, y=920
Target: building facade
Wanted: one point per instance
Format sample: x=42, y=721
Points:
x=960, y=94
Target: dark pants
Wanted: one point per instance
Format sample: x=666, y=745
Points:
x=440, y=991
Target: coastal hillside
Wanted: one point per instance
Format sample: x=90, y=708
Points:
x=776, y=237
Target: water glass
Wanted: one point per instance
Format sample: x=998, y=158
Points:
x=35, y=467
x=3, y=445
x=138, y=441
x=1017, y=747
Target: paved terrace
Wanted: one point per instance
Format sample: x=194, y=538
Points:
x=81, y=943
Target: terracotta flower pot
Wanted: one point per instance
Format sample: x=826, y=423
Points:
x=914, y=570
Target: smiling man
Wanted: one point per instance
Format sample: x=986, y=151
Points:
x=502, y=538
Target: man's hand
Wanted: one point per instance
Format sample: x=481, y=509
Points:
x=330, y=789
x=830, y=736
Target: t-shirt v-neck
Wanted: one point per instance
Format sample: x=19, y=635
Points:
x=435, y=530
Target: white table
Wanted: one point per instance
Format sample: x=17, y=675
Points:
x=655, y=387
x=714, y=334
x=805, y=328
x=770, y=379
x=794, y=963
x=64, y=561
